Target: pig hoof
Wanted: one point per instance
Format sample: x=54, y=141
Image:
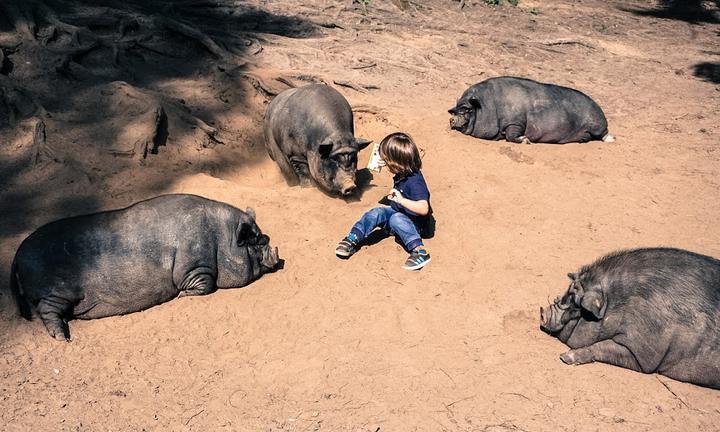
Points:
x=524, y=140
x=608, y=138
x=568, y=357
x=61, y=336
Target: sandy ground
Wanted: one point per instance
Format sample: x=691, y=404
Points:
x=362, y=345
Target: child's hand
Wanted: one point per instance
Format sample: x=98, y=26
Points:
x=394, y=195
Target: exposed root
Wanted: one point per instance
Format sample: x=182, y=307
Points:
x=260, y=85
x=209, y=130
x=41, y=151
x=193, y=33
x=286, y=81
x=567, y=42
x=363, y=65
x=366, y=108
x=311, y=78
x=351, y=85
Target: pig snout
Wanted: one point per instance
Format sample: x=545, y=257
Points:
x=549, y=319
x=348, y=186
x=348, y=189
x=457, y=121
x=270, y=258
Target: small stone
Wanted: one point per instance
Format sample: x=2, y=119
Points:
x=56, y=371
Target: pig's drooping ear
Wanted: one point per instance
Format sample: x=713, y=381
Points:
x=474, y=102
x=362, y=143
x=250, y=212
x=325, y=150
x=243, y=232
x=594, y=302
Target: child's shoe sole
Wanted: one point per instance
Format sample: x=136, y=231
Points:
x=343, y=253
x=417, y=266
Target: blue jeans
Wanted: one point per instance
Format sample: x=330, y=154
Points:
x=385, y=217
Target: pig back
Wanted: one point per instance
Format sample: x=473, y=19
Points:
x=300, y=119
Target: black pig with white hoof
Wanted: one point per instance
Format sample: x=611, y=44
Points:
x=525, y=111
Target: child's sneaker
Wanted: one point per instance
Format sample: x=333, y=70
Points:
x=417, y=259
x=346, y=248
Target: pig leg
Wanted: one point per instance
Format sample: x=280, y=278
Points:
x=582, y=137
x=300, y=165
x=200, y=281
x=52, y=311
x=607, y=351
x=514, y=133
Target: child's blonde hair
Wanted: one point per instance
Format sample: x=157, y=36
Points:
x=400, y=154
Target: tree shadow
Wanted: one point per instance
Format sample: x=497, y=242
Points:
x=707, y=71
x=692, y=11
x=77, y=76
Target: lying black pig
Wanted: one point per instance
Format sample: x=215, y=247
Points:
x=309, y=133
x=523, y=110
x=649, y=310
x=127, y=260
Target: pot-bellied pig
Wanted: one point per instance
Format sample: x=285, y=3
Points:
x=309, y=133
x=649, y=310
x=523, y=110
x=121, y=261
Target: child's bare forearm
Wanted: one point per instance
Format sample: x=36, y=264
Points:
x=419, y=207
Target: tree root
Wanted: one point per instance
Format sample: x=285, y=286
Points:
x=366, y=108
x=41, y=151
x=311, y=78
x=362, y=88
x=567, y=42
x=193, y=33
x=209, y=130
x=260, y=85
x=285, y=81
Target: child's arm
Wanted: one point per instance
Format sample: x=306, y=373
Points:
x=420, y=207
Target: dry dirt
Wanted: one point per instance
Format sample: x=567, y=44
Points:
x=362, y=345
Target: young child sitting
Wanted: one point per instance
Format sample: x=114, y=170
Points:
x=409, y=208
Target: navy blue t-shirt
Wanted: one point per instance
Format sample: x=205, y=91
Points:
x=412, y=187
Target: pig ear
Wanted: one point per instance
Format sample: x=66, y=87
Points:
x=243, y=232
x=325, y=150
x=362, y=143
x=250, y=212
x=475, y=102
x=594, y=302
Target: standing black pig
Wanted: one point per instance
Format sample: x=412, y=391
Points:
x=127, y=260
x=649, y=310
x=309, y=133
x=523, y=110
